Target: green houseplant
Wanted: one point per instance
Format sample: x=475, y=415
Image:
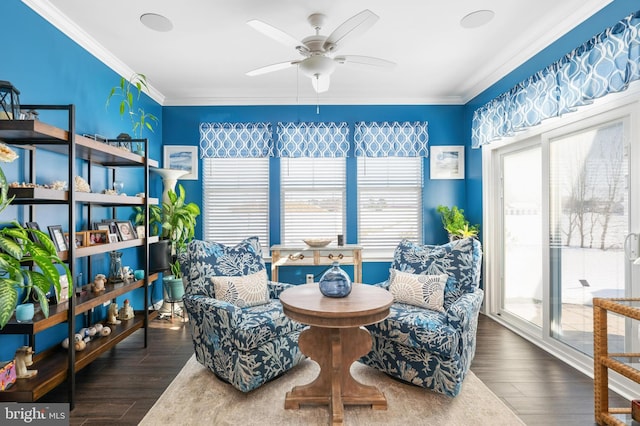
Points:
x=456, y=224
x=175, y=222
x=18, y=247
x=129, y=91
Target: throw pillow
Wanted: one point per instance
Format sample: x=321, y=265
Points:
x=460, y=259
x=205, y=259
x=243, y=291
x=426, y=291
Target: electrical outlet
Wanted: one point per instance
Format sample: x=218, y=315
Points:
x=310, y=279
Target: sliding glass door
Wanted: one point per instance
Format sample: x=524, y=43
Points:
x=589, y=220
x=565, y=207
x=521, y=213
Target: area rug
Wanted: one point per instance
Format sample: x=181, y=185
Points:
x=197, y=397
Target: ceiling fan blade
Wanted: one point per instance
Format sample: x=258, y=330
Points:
x=274, y=33
x=320, y=83
x=364, y=60
x=271, y=68
x=352, y=27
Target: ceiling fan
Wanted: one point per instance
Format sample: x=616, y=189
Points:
x=318, y=51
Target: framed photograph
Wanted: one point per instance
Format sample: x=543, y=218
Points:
x=64, y=289
x=113, y=238
x=140, y=231
x=447, y=162
x=98, y=237
x=57, y=236
x=108, y=225
x=33, y=225
x=179, y=157
x=80, y=238
x=126, y=230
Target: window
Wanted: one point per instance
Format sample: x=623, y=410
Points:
x=313, y=198
x=236, y=200
x=389, y=202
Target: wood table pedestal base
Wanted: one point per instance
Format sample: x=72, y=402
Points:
x=335, y=349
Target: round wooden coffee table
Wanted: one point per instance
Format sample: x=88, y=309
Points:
x=335, y=340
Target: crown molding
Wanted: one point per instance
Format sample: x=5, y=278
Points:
x=322, y=100
x=569, y=22
x=51, y=14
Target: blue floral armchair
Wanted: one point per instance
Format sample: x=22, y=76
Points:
x=243, y=345
x=425, y=347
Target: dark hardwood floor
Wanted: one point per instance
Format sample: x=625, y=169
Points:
x=122, y=385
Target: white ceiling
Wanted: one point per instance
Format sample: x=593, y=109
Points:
x=203, y=60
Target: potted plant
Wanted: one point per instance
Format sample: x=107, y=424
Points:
x=19, y=246
x=175, y=223
x=129, y=92
x=456, y=224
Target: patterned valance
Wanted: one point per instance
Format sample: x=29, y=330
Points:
x=312, y=140
x=605, y=64
x=391, y=139
x=236, y=140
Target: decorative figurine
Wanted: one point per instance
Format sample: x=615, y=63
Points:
x=126, y=312
x=112, y=316
x=79, y=344
x=98, y=283
x=24, y=359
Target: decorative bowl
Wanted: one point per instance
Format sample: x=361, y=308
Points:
x=317, y=242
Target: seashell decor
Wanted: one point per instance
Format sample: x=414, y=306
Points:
x=81, y=184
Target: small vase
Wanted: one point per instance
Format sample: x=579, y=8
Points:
x=335, y=282
x=25, y=312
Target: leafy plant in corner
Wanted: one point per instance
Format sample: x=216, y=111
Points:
x=20, y=246
x=129, y=91
x=174, y=221
x=456, y=224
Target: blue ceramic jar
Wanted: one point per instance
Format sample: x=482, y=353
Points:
x=335, y=282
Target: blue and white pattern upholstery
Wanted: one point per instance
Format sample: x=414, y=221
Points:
x=607, y=63
x=424, y=347
x=244, y=346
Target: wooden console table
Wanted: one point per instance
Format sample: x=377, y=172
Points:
x=603, y=360
x=335, y=340
x=348, y=254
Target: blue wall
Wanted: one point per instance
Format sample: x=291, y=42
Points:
x=608, y=16
x=49, y=68
x=181, y=126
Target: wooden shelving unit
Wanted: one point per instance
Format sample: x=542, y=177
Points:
x=55, y=365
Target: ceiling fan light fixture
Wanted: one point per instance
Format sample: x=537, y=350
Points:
x=477, y=19
x=317, y=65
x=156, y=22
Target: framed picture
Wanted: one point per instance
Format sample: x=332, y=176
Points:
x=447, y=162
x=64, y=289
x=98, y=237
x=140, y=231
x=126, y=231
x=179, y=157
x=108, y=225
x=80, y=238
x=57, y=236
x=33, y=225
x=113, y=238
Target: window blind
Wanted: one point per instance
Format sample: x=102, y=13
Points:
x=389, y=202
x=313, y=198
x=236, y=200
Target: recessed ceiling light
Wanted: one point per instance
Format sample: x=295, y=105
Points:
x=156, y=22
x=477, y=19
